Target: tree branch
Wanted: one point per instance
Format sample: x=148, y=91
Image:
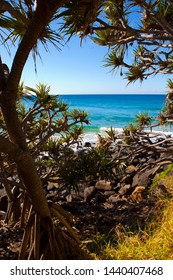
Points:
x=8, y=147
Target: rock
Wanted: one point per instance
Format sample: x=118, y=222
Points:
x=131, y=169
x=141, y=179
x=142, y=160
x=89, y=193
x=87, y=144
x=135, y=180
x=144, y=178
x=117, y=198
x=137, y=194
x=69, y=198
x=50, y=187
x=151, y=161
x=135, y=161
x=128, y=179
x=150, y=153
x=103, y=185
x=126, y=190
x=109, y=193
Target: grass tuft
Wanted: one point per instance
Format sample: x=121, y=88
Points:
x=153, y=243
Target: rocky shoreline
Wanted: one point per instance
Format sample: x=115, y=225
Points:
x=142, y=165
x=100, y=205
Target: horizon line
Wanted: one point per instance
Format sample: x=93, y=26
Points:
x=112, y=93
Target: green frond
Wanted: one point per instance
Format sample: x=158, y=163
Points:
x=104, y=37
x=135, y=73
x=21, y=109
x=79, y=115
x=78, y=16
x=16, y=28
x=112, y=133
x=143, y=119
x=140, y=50
x=170, y=84
x=113, y=60
x=131, y=128
x=161, y=118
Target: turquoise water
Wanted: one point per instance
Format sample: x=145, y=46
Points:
x=116, y=110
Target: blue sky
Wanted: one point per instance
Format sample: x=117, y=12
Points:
x=79, y=69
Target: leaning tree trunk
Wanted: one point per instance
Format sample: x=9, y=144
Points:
x=41, y=238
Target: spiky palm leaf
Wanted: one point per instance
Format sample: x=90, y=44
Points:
x=43, y=94
x=79, y=16
x=15, y=29
x=143, y=119
x=103, y=37
x=135, y=73
x=113, y=60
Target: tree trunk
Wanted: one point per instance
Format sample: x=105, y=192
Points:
x=17, y=149
x=24, y=161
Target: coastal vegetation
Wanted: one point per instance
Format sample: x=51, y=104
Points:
x=154, y=242
x=38, y=161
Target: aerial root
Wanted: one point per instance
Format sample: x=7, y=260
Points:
x=59, y=213
x=14, y=211
x=43, y=239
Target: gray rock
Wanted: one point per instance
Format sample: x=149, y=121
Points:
x=144, y=178
x=141, y=180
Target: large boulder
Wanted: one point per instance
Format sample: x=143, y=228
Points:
x=144, y=178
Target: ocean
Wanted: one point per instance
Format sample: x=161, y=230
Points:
x=116, y=110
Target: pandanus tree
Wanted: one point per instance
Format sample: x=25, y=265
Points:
x=28, y=23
